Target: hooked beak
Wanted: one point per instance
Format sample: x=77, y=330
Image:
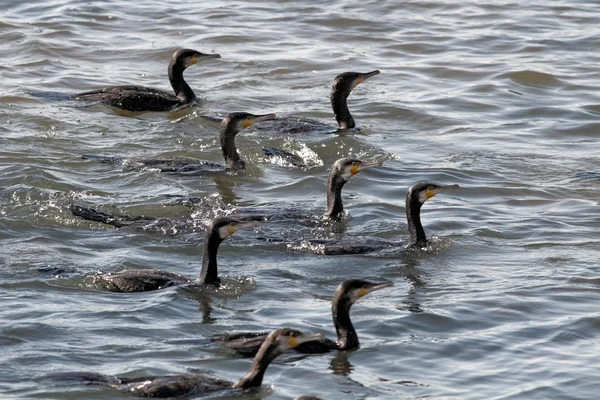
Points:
x=356, y=168
x=260, y=118
x=367, y=165
x=382, y=285
x=376, y=286
x=431, y=193
x=247, y=225
x=367, y=75
x=295, y=341
x=363, y=77
x=207, y=56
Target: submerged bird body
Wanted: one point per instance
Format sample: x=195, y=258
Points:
x=140, y=98
x=152, y=279
x=341, y=172
x=231, y=125
x=415, y=198
x=342, y=86
x=346, y=294
x=186, y=385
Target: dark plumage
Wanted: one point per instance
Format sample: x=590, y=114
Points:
x=342, y=86
x=231, y=125
x=140, y=98
x=415, y=198
x=341, y=172
x=142, y=280
x=187, y=385
x=346, y=294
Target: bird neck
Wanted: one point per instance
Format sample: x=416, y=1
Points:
x=346, y=334
x=209, y=274
x=413, y=218
x=254, y=377
x=232, y=158
x=334, y=195
x=182, y=90
x=340, y=110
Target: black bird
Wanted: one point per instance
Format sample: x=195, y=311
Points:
x=342, y=86
x=142, y=280
x=415, y=198
x=184, y=386
x=346, y=294
x=140, y=98
x=231, y=125
x=341, y=172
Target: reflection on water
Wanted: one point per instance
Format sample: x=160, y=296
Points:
x=340, y=365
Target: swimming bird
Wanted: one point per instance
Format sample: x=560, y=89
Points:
x=140, y=98
x=142, y=280
x=342, y=86
x=416, y=196
x=341, y=172
x=346, y=294
x=231, y=125
x=183, y=386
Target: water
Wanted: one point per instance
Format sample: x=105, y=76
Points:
x=500, y=97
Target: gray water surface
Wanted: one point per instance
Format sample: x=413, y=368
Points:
x=500, y=97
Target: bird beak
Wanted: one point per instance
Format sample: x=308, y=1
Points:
x=260, y=118
x=431, y=193
x=367, y=165
x=257, y=118
x=369, y=74
x=376, y=286
x=247, y=225
x=206, y=56
x=295, y=341
x=363, y=77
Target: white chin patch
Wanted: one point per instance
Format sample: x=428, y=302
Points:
x=346, y=175
x=354, y=296
x=422, y=196
x=224, y=232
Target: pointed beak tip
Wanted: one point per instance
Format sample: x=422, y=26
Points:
x=383, y=285
x=309, y=337
x=266, y=117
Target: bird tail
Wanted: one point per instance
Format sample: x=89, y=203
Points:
x=116, y=220
x=86, y=378
x=102, y=159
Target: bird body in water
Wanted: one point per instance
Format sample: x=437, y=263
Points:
x=187, y=385
x=142, y=280
x=231, y=125
x=346, y=294
x=342, y=86
x=341, y=172
x=416, y=196
x=140, y=98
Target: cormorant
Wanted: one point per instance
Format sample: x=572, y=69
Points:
x=231, y=125
x=140, y=98
x=341, y=87
x=142, y=280
x=341, y=172
x=415, y=198
x=346, y=294
x=183, y=386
